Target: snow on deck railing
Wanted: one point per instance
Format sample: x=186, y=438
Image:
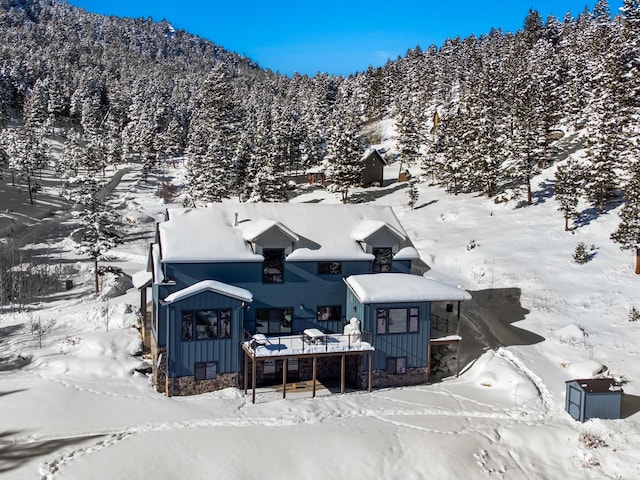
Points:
x=302, y=344
x=444, y=325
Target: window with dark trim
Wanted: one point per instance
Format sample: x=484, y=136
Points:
x=397, y=365
x=273, y=265
x=206, y=324
x=397, y=320
x=382, y=260
x=187, y=326
x=329, y=268
x=330, y=312
x=274, y=321
x=206, y=371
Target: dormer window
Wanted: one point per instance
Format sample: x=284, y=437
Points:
x=382, y=259
x=273, y=265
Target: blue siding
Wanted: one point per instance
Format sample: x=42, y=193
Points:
x=302, y=286
x=184, y=355
x=413, y=346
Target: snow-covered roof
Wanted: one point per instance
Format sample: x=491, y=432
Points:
x=212, y=286
x=400, y=287
x=141, y=278
x=252, y=230
x=368, y=227
x=316, y=169
x=319, y=232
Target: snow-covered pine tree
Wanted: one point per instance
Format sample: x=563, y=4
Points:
x=569, y=179
x=345, y=151
x=628, y=232
x=99, y=229
x=412, y=194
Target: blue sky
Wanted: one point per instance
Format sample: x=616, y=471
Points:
x=337, y=37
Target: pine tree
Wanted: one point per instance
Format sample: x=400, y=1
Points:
x=628, y=232
x=567, y=191
x=98, y=231
x=345, y=155
x=412, y=193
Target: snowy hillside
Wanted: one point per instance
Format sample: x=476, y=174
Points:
x=75, y=406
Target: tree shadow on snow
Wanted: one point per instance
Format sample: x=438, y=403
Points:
x=590, y=214
x=14, y=455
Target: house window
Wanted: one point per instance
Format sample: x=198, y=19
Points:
x=381, y=321
x=332, y=312
x=206, y=324
x=273, y=321
x=187, y=326
x=397, y=320
x=273, y=265
x=329, y=268
x=382, y=260
x=206, y=371
x=225, y=324
x=396, y=365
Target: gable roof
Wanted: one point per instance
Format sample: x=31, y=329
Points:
x=375, y=153
x=211, y=286
x=400, y=287
x=319, y=232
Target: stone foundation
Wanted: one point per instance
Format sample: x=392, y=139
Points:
x=158, y=377
x=382, y=379
x=181, y=386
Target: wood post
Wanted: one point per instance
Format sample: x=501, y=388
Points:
x=370, y=371
x=428, y=360
x=253, y=379
x=284, y=377
x=315, y=366
x=342, y=369
x=246, y=372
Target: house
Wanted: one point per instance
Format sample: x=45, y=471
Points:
x=277, y=291
x=373, y=164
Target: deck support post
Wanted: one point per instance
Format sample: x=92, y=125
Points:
x=370, y=371
x=253, y=380
x=246, y=372
x=284, y=377
x=315, y=366
x=428, y=360
x=342, y=369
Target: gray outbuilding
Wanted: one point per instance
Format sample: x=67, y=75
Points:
x=593, y=398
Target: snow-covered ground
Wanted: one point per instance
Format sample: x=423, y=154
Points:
x=73, y=406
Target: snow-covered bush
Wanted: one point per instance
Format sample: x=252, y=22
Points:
x=591, y=440
x=634, y=314
x=471, y=245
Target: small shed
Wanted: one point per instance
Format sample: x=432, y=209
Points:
x=593, y=398
x=373, y=164
x=317, y=175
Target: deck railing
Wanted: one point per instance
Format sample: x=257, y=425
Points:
x=444, y=325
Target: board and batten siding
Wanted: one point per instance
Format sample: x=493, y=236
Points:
x=413, y=346
x=225, y=352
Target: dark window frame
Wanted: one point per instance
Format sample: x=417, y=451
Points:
x=383, y=320
x=330, y=268
x=270, y=319
x=273, y=259
x=334, y=312
x=223, y=329
x=207, y=368
x=396, y=365
x=383, y=258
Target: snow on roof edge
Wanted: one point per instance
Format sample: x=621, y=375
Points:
x=213, y=286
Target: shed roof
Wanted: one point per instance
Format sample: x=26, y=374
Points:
x=598, y=385
x=212, y=286
x=400, y=287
